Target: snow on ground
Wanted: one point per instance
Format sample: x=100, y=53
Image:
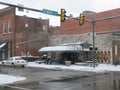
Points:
x=7, y=79
x=78, y=67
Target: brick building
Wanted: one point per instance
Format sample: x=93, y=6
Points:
x=106, y=33
x=14, y=34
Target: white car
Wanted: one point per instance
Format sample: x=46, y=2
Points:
x=14, y=61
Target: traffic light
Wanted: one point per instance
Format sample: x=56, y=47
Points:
x=63, y=15
x=81, y=19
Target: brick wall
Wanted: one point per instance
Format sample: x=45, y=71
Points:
x=71, y=27
x=37, y=37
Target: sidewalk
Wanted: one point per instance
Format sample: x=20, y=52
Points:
x=78, y=67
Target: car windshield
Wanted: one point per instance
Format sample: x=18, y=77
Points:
x=10, y=58
x=18, y=58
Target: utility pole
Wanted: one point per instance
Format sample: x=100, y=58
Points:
x=93, y=38
x=93, y=32
x=26, y=27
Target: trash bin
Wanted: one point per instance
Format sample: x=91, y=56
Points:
x=67, y=63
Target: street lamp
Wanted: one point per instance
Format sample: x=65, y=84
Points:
x=26, y=26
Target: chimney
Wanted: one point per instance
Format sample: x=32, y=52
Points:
x=70, y=16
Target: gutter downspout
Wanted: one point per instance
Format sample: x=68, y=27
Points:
x=14, y=53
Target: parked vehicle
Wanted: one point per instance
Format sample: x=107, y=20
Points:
x=14, y=61
x=39, y=61
x=30, y=58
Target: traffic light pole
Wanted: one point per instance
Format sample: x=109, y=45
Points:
x=93, y=38
x=93, y=32
x=12, y=5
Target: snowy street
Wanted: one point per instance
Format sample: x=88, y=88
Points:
x=101, y=68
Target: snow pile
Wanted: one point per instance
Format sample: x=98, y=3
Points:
x=107, y=67
x=7, y=79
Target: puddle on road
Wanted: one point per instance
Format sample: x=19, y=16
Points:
x=105, y=85
x=102, y=85
x=73, y=83
x=33, y=85
x=86, y=83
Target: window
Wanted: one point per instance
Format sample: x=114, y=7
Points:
x=10, y=58
x=18, y=58
x=116, y=50
x=44, y=27
x=4, y=28
x=9, y=27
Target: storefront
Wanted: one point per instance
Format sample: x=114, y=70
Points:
x=5, y=50
x=62, y=53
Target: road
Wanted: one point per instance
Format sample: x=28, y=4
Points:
x=50, y=79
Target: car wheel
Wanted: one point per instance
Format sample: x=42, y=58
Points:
x=13, y=65
x=23, y=66
x=3, y=64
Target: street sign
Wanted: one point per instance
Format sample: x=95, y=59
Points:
x=46, y=11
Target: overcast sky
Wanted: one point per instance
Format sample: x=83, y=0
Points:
x=74, y=7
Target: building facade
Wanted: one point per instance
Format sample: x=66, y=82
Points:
x=20, y=35
x=105, y=41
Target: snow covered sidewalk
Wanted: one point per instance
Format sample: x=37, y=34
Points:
x=99, y=68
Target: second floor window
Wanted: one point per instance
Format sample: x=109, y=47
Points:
x=4, y=28
x=44, y=27
x=9, y=27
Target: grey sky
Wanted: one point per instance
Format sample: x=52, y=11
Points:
x=74, y=7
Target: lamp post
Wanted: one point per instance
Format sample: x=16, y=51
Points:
x=26, y=26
